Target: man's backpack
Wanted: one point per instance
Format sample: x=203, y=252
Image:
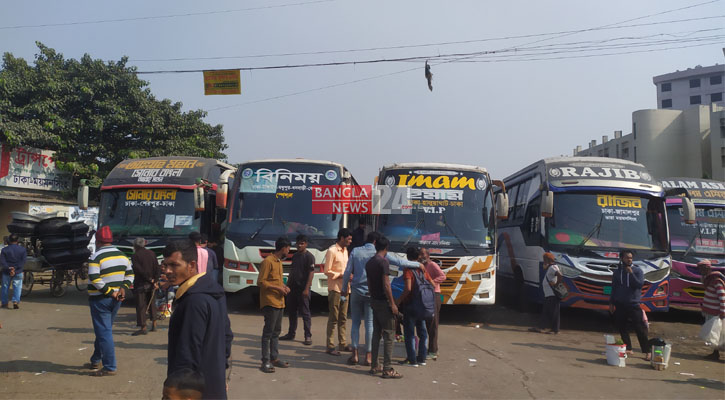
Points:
x=422, y=302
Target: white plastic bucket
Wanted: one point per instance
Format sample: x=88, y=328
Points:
x=616, y=354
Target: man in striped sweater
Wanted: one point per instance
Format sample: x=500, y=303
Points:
x=713, y=304
x=109, y=275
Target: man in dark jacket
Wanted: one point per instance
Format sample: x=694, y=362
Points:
x=12, y=260
x=146, y=273
x=200, y=337
x=624, y=301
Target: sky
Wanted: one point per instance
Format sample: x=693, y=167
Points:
x=500, y=115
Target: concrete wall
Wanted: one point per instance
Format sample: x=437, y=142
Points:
x=7, y=206
x=717, y=144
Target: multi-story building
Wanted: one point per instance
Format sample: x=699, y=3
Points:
x=681, y=90
x=688, y=143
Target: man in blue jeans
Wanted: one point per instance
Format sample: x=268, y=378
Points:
x=12, y=260
x=360, y=307
x=109, y=275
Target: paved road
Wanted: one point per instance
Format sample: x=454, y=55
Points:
x=45, y=342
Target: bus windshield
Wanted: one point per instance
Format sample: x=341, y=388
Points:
x=445, y=216
x=707, y=236
x=607, y=221
x=276, y=200
x=149, y=212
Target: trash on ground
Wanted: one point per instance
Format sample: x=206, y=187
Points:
x=686, y=374
x=677, y=363
x=478, y=326
x=39, y=373
x=454, y=384
x=82, y=348
x=473, y=360
x=435, y=381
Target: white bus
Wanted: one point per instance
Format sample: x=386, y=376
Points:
x=584, y=210
x=453, y=216
x=273, y=198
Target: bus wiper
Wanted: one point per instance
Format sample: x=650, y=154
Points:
x=691, y=246
x=590, y=234
x=445, y=221
x=415, y=228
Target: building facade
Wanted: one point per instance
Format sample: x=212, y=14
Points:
x=688, y=143
x=681, y=90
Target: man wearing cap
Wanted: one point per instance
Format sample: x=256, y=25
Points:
x=550, y=311
x=146, y=272
x=109, y=275
x=713, y=303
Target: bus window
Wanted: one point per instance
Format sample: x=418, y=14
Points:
x=512, y=202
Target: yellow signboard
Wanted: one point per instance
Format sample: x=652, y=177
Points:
x=222, y=82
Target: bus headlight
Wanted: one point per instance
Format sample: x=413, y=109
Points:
x=569, y=271
x=657, y=275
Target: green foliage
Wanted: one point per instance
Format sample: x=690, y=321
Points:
x=95, y=114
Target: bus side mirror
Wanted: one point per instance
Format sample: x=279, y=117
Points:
x=83, y=197
x=547, y=204
x=688, y=211
x=502, y=206
x=199, y=198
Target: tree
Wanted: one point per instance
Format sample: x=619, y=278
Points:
x=95, y=114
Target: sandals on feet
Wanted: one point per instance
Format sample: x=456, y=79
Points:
x=392, y=374
x=351, y=361
x=280, y=364
x=103, y=372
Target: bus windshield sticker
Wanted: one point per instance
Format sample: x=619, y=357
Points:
x=184, y=220
x=284, y=195
x=264, y=180
x=169, y=221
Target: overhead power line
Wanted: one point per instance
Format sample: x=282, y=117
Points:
x=453, y=57
x=104, y=21
x=436, y=44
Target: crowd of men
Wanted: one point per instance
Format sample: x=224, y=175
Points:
x=200, y=337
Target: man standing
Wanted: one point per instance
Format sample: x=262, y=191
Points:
x=384, y=309
x=200, y=337
x=624, y=301
x=202, y=256
x=358, y=235
x=146, y=272
x=335, y=263
x=12, y=261
x=360, y=296
x=299, y=282
x=431, y=324
x=412, y=321
x=109, y=274
x=713, y=303
x=271, y=300
x=550, y=311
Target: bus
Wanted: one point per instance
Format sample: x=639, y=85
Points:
x=584, y=210
x=704, y=240
x=273, y=198
x=452, y=214
x=163, y=199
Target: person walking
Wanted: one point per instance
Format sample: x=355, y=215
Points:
x=551, y=309
x=412, y=321
x=109, y=275
x=12, y=261
x=146, y=272
x=298, y=298
x=335, y=262
x=200, y=336
x=713, y=306
x=384, y=310
x=360, y=308
x=431, y=324
x=624, y=302
x=272, y=291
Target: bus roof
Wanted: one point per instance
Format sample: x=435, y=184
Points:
x=569, y=172
x=460, y=167
x=702, y=191
x=297, y=160
x=172, y=171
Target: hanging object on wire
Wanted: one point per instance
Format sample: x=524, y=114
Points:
x=429, y=76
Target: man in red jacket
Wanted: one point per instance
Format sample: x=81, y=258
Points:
x=713, y=303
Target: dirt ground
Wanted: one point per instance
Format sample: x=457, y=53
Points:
x=485, y=352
